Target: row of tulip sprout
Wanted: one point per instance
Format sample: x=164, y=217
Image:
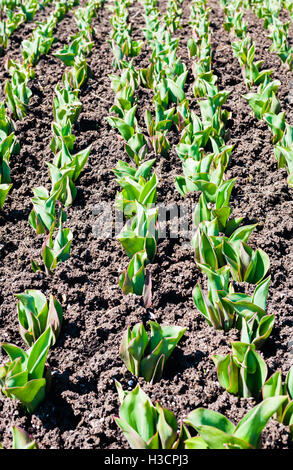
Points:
x=13, y=13
x=220, y=245
x=17, y=93
x=264, y=100
x=269, y=12
x=26, y=375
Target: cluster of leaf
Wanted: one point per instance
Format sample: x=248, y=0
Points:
x=47, y=213
x=244, y=51
x=25, y=376
x=243, y=371
x=279, y=34
x=173, y=15
x=85, y=14
x=139, y=235
x=16, y=90
x=264, y=101
x=17, y=12
x=269, y=11
x=224, y=309
x=288, y=5
x=220, y=243
x=216, y=251
x=8, y=146
x=165, y=75
x=6, y=5
x=55, y=249
x=21, y=439
x=234, y=18
x=274, y=387
x=40, y=42
x=139, y=238
x=283, y=135
x=146, y=426
x=124, y=106
x=35, y=315
x=146, y=357
x=121, y=42
x=215, y=431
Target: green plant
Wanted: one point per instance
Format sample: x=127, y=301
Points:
x=43, y=214
x=39, y=44
x=243, y=371
x=62, y=133
x=80, y=47
x=14, y=20
x=9, y=145
x=215, y=208
x=265, y=100
x=54, y=251
x=141, y=232
x=29, y=9
x=24, y=376
x=204, y=175
x=62, y=183
x=217, y=313
x=235, y=22
x=5, y=152
x=215, y=251
x=274, y=387
x=21, y=439
x=146, y=426
x=4, y=190
x=76, y=77
x=212, y=113
x=158, y=127
x=254, y=323
x=62, y=7
x=138, y=186
x=35, y=315
x=215, y=431
x=146, y=357
x=133, y=278
x=244, y=51
x=66, y=106
x=279, y=32
x=283, y=151
x=17, y=95
x=204, y=78
x=84, y=15
x=128, y=128
x=277, y=123
x=246, y=264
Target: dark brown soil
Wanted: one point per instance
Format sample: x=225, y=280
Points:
x=78, y=412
